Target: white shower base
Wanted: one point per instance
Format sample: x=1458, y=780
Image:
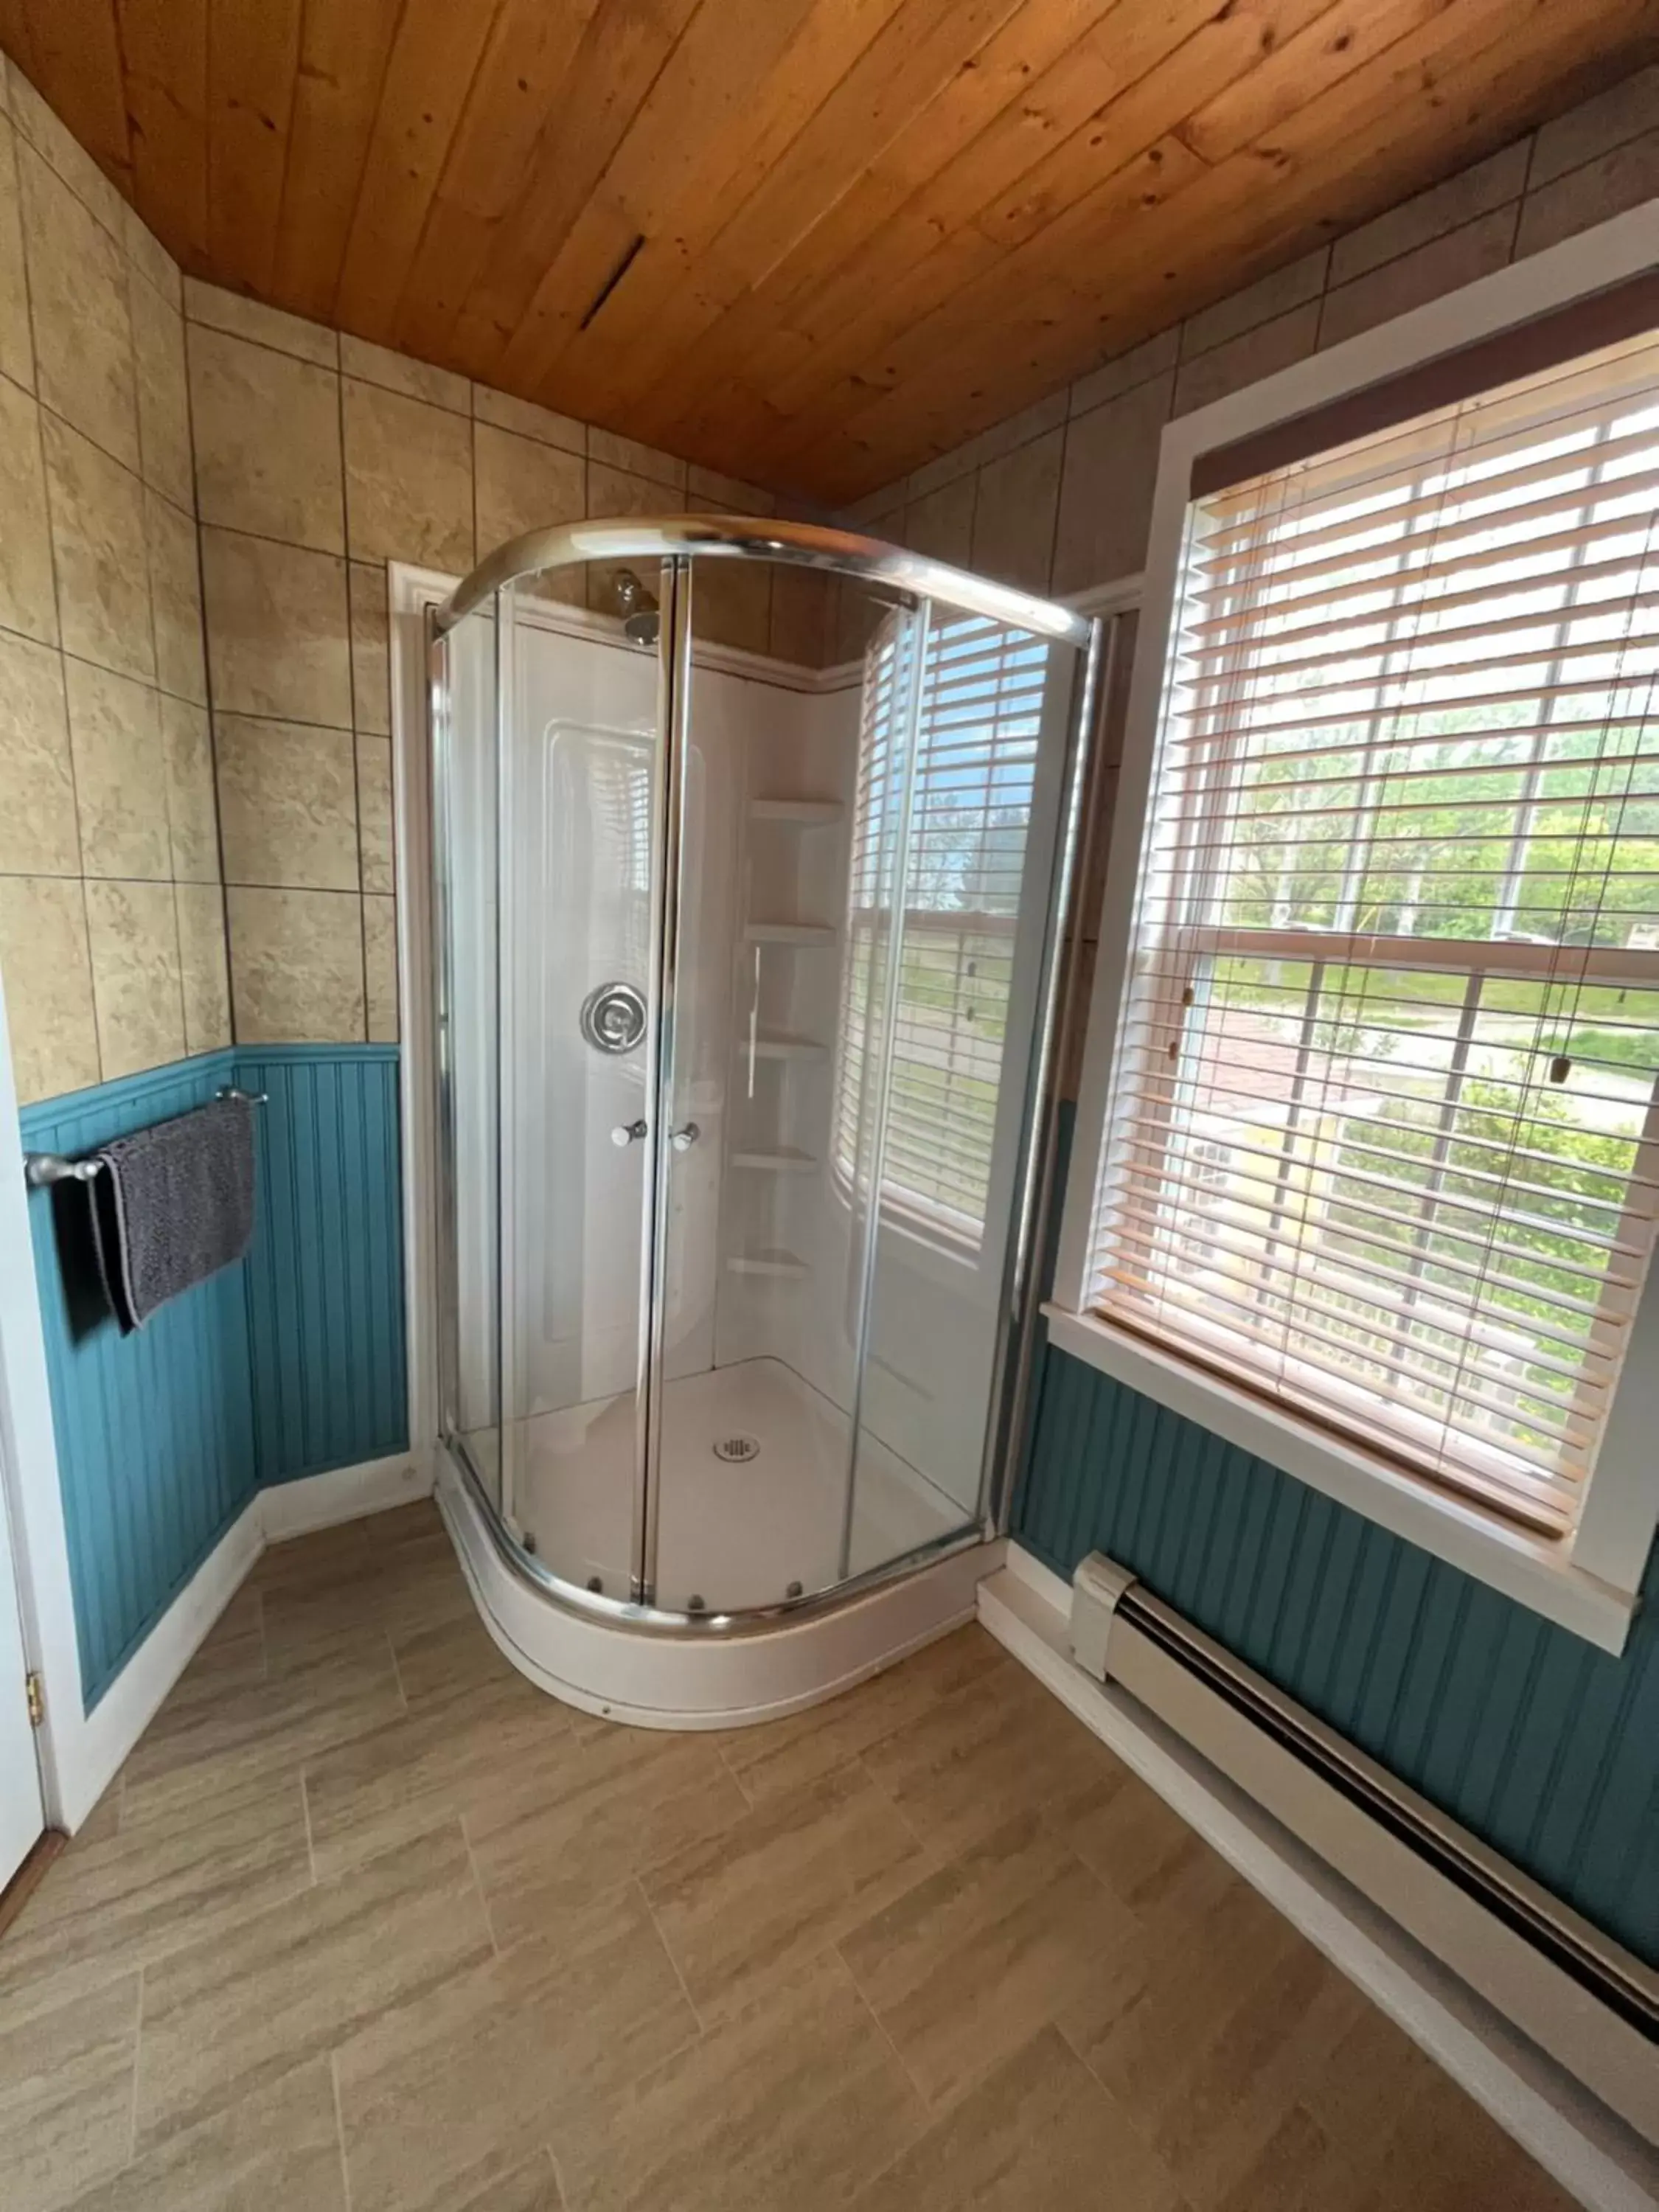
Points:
x=735, y=1533
x=709, y=1680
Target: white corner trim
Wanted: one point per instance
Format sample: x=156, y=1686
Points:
x=1557, y=2122
x=344, y=1493
x=28, y=1458
x=411, y=594
x=1053, y=1590
x=1529, y=1568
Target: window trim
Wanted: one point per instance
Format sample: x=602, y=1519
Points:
x=1589, y=1582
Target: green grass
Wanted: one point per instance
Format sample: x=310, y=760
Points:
x=1634, y=1048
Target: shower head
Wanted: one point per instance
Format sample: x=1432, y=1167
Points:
x=641, y=620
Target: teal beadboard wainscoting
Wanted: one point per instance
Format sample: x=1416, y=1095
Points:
x=326, y=1275
x=1543, y=1746
x=287, y=1364
x=154, y=1432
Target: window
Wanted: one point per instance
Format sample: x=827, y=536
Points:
x=1381, y=1121
x=981, y=707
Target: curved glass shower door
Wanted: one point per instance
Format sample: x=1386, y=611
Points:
x=764, y=1227
x=865, y=872
x=579, y=839
x=746, y=918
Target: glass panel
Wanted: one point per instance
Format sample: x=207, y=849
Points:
x=464, y=850
x=766, y=1197
x=866, y=825
x=579, y=878
x=980, y=832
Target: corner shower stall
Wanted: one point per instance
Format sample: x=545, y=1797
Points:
x=743, y=983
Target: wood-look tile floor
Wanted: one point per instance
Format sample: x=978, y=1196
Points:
x=368, y=1924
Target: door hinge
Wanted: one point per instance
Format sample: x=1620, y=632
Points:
x=37, y=1698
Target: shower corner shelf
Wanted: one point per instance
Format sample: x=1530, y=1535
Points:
x=788, y=932
x=807, y=813
x=781, y=1159
x=778, y=1044
x=767, y=1261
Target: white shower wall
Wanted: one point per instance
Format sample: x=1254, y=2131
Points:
x=579, y=881
x=580, y=895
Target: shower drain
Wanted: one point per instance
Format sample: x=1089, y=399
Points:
x=737, y=1448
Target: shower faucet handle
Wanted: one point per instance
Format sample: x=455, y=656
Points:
x=629, y=1132
x=682, y=1139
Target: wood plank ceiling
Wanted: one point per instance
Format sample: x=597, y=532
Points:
x=812, y=242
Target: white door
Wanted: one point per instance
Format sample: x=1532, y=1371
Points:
x=21, y=1815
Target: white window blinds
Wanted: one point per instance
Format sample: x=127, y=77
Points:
x=982, y=705
x=1381, y=1133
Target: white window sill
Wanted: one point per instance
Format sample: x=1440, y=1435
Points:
x=1532, y=1571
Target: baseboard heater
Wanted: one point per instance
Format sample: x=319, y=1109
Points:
x=1591, y=2005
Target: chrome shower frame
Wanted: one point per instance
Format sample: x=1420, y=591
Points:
x=678, y=543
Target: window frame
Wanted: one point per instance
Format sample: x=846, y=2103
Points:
x=1588, y=1581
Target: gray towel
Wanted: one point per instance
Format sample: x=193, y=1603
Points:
x=174, y=1205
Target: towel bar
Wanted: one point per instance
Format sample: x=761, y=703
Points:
x=41, y=1170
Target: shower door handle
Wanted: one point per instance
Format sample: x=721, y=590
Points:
x=629, y=1132
x=682, y=1139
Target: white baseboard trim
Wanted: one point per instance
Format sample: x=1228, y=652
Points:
x=1586, y=2149
x=344, y=1493
x=1054, y=1589
x=89, y=1749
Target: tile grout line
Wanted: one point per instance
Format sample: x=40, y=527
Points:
x=888, y=1798
x=10, y=631
x=138, y=2038
x=737, y=1778
x=1131, y=2117
x=344, y=557
x=210, y=711
x=881, y=2029
x=668, y=1953
x=477, y=1884
x=559, y=2188
x=305, y=1805
x=340, y=2126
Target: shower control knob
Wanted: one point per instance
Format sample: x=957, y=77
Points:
x=629, y=1132
x=682, y=1139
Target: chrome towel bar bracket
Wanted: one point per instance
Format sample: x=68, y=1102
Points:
x=42, y=1169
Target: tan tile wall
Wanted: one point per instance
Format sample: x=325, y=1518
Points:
x=1059, y=498
x=199, y=498
x=112, y=927
x=319, y=459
